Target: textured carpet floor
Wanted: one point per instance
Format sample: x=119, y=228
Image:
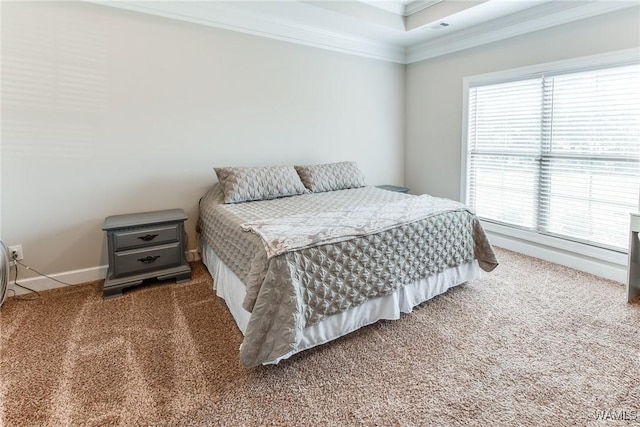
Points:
x=532, y=343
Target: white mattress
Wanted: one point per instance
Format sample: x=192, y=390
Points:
x=229, y=287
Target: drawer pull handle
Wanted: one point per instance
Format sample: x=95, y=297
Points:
x=148, y=237
x=149, y=259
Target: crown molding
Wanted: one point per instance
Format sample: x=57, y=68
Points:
x=547, y=15
x=216, y=15
x=418, y=5
x=389, y=6
x=399, y=8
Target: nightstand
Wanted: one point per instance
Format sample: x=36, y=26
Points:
x=143, y=246
x=393, y=188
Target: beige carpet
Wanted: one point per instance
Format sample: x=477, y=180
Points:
x=530, y=344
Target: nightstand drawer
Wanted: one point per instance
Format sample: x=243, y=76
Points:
x=140, y=260
x=129, y=239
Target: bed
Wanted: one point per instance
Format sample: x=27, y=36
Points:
x=301, y=270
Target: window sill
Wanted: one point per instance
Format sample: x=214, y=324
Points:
x=601, y=262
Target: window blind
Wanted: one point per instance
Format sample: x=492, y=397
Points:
x=558, y=154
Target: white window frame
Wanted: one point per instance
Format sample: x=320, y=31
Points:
x=600, y=261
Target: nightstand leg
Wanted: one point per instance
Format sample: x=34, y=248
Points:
x=180, y=277
x=185, y=277
x=109, y=292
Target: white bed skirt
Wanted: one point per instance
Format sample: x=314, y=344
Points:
x=229, y=287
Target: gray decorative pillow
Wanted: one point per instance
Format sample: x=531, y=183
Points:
x=331, y=176
x=243, y=184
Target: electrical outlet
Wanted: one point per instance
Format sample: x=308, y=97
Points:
x=15, y=253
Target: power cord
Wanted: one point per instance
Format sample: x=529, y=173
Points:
x=15, y=282
x=26, y=267
x=14, y=257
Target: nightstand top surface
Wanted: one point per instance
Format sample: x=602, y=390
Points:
x=143, y=218
x=393, y=188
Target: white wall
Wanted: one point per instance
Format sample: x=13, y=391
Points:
x=106, y=111
x=434, y=90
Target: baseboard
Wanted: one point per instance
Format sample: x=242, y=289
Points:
x=598, y=267
x=73, y=277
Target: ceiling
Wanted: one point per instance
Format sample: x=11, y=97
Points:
x=392, y=30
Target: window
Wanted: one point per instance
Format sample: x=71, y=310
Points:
x=557, y=151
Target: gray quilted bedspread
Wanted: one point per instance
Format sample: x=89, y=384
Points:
x=286, y=292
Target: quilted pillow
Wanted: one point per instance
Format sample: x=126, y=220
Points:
x=331, y=176
x=243, y=184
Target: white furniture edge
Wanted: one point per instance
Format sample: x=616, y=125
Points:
x=633, y=281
